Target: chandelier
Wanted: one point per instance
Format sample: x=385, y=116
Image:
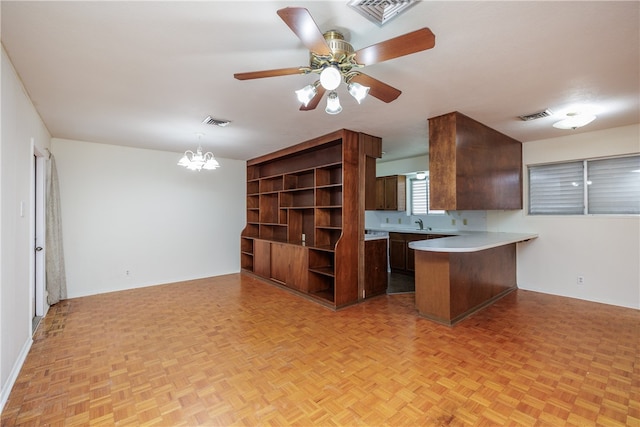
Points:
x=197, y=161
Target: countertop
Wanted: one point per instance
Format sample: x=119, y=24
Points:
x=415, y=230
x=470, y=241
x=368, y=237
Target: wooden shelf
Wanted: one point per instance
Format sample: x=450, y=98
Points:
x=296, y=201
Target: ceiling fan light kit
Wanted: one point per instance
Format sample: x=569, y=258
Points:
x=335, y=60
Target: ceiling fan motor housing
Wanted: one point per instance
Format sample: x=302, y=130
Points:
x=341, y=53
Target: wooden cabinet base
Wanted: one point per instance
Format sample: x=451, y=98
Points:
x=450, y=286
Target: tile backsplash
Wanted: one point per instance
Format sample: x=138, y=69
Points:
x=451, y=220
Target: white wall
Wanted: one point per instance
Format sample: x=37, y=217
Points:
x=20, y=125
x=133, y=210
x=603, y=249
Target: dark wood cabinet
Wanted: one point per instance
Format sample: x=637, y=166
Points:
x=289, y=265
x=397, y=252
x=401, y=256
x=305, y=215
x=391, y=193
x=262, y=256
x=375, y=261
x=471, y=166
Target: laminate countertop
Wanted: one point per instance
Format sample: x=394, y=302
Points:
x=470, y=241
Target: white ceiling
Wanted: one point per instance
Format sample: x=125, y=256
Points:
x=145, y=73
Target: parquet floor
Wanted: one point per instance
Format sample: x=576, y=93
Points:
x=235, y=351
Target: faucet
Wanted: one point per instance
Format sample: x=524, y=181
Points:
x=419, y=222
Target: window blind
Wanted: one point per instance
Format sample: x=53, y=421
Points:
x=556, y=189
x=614, y=185
x=419, y=196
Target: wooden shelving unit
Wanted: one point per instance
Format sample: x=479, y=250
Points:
x=305, y=205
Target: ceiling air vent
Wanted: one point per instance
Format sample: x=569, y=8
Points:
x=381, y=11
x=535, y=116
x=215, y=122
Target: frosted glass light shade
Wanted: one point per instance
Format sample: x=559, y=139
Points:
x=306, y=94
x=330, y=78
x=358, y=91
x=333, y=104
x=574, y=121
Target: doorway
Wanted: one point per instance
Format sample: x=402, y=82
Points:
x=38, y=233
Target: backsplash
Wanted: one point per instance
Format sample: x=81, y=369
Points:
x=451, y=220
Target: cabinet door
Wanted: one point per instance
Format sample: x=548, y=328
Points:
x=397, y=253
x=391, y=193
x=380, y=193
x=280, y=256
x=375, y=265
x=411, y=262
x=297, y=274
x=262, y=258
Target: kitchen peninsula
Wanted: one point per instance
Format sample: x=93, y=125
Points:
x=456, y=276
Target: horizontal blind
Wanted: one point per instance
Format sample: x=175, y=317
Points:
x=419, y=196
x=614, y=185
x=556, y=189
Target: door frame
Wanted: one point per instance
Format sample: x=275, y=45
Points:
x=38, y=230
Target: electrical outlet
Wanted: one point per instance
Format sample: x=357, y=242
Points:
x=399, y=220
x=580, y=280
x=387, y=220
x=464, y=221
x=127, y=273
x=453, y=221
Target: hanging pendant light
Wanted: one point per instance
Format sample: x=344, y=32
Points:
x=197, y=161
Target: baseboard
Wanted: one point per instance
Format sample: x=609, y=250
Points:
x=15, y=371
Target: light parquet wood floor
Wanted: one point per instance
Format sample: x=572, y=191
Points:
x=233, y=350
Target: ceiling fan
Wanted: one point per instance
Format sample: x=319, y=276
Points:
x=335, y=60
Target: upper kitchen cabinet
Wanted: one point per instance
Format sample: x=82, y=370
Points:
x=471, y=166
x=391, y=193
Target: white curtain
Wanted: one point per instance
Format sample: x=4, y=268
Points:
x=55, y=273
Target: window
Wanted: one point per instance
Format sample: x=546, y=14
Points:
x=420, y=197
x=589, y=187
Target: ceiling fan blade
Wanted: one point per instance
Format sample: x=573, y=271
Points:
x=268, y=73
x=377, y=89
x=302, y=24
x=315, y=100
x=407, y=44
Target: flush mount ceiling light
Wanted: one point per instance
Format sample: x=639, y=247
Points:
x=575, y=120
x=336, y=61
x=197, y=161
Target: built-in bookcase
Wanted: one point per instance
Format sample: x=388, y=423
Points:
x=297, y=197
